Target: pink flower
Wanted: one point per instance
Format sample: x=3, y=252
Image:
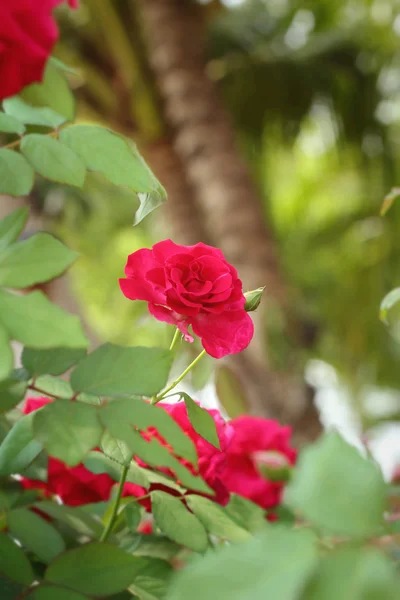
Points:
x=255, y=441
x=191, y=286
x=28, y=33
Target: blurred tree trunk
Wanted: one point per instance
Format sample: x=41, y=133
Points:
x=231, y=208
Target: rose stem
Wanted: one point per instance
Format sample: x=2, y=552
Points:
x=174, y=339
x=110, y=524
x=156, y=399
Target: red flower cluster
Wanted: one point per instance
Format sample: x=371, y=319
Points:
x=192, y=286
x=28, y=33
x=235, y=467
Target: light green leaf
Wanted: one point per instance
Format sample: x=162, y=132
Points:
x=36, y=534
x=53, y=362
x=13, y=561
x=95, y=569
x=354, y=574
x=37, y=259
x=176, y=522
x=149, y=201
x=68, y=430
x=337, y=489
x=276, y=564
x=151, y=583
x=74, y=516
x=116, y=371
x=53, y=160
x=387, y=303
x=201, y=421
x=116, y=449
x=53, y=386
x=11, y=393
x=16, y=174
x=12, y=225
x=6, y=356
x=98, y=463
x=10, y=124
x=32, y=115
x=18, y=448
x=53, y=92
x=216, y=520
x=246, y=514
x=142, y=415
x=133, y=515
x=149, y=544
x=34, y=321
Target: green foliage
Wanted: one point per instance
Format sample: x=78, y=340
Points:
x=176, y=522
x=32, y=115
x=37, y=259
x=68, y=430
x=16, y=175
x=14, y=563
x=389, y=301
x=11, y=392
x=201, y=420
x=54, y=362
x=53, y=92
x=116, y=371
x=216, y=521
x=151, y=583
x=132, y=514
x=10, y=124
x=19, y=449
x=36, y=534
x=76, y=517
x=337, y=489
x=246, y=514
x=6, y=355
x=12, y=225
x=53, y=160
x=50, y=592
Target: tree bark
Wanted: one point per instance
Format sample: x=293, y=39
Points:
x=226, y=195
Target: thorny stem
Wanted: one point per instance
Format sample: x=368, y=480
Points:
x=156, y=399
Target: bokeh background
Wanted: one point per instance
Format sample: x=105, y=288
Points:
x=274, y=127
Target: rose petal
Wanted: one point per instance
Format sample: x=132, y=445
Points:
x=227, y=333
x=169, y=316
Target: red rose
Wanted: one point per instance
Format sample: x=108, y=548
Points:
x=253, y=441
x=192, y=285
x=74, y=485
x=28, y=33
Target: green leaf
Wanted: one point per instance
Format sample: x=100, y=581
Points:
x=37, y=259
x=36, y=534
x=246, y=514
x=149, y=544
x=53, y=160
x=116, y=449
x=16, y=174
x=338, y=490
x=53, y=92
x=275, y=565
x=54, y=386
x=389, y=199
x=253, y=299
x=216, y=520
x=176, y=522
x=149, y=201
x=77, y=518
x=10, y=590
x=116, y=371
x=354, y=574
x=6, y=356
x=230, y=392
x=12, y=225
x=10, y=124
x=98, y=463
x=18, y=448
x=95, y=569
x=32, y=115
x=133, y=515
x=34, y=321
x=11, y=393
x=53, y=362
x=68, y=430
x=387, y=303
x=142, y=415
x=201, y=421
x=151, y=583
x=13, y=562
x=110, y=154
x=52, y=592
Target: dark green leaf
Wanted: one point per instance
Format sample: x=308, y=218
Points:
x=132, y=514
x=116, y=371
x=13, y=561
x=32, y=115
x=11, y=392
x=95, y=569
x=142, y=415
x=216, y=520
x=12, y=225
x=75, y=517
x=201, y=421
x=337, y=489
x=10, y=124
x=53, y=160
x=176, y=522
x=37, y=259
x=16, y=174
x=53, y=362
x=34, y=321
x=10, y=590
x=6, y=356
x=150, y=544
x=68, y=430
x=53, y=92
x=52, y=592
x=275, y=565
x=36, y=534
x=18, y=448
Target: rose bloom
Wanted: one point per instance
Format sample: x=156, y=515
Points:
x=28, y=33
x=191, y=286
